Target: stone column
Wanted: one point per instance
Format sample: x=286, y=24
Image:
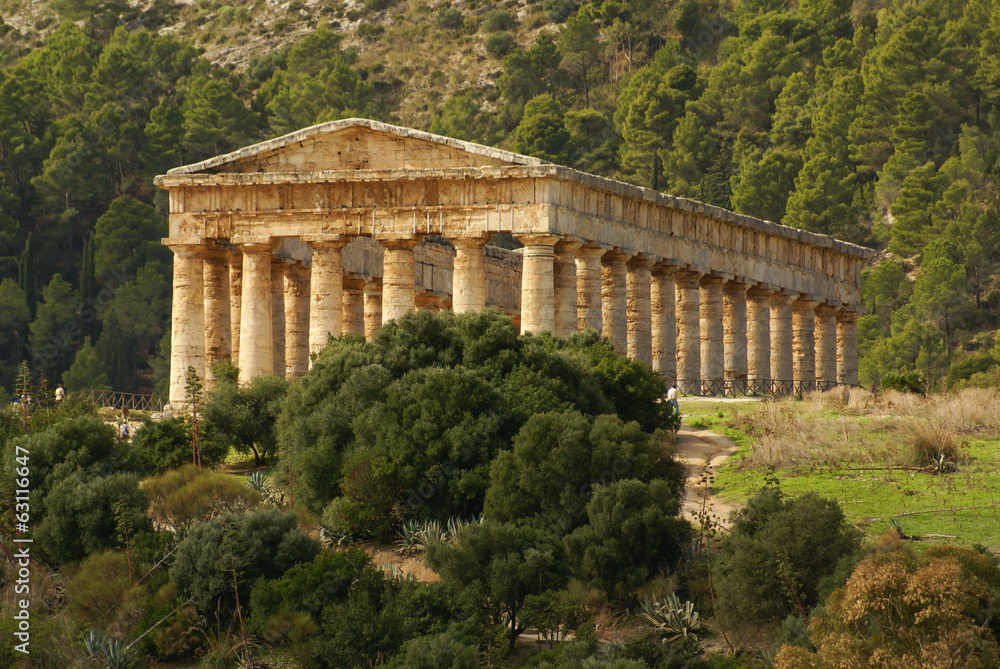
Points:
x=218, y=328
x=734, y=334
x=278, y=266
x=614, y=319
x=256, y=346
x=187, y=319
x=664, y=322
x=759, y=339
x=373, y=308
x=354, y=307
x=847, y=348
x=712, y=360
x=564, y=282
x=688, y=332
x=469, y=275
x=235, y=301
x=538, y=283
x=296, y=321
x=639, y=309
x=326, y=285
x=781, y=341
x=397, y=278
x=588, y=287
x=826, y=344
x=804, y=343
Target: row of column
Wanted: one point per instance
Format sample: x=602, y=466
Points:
x=704, y=330
x=710, y=333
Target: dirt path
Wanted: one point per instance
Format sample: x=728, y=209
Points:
x=696, y=448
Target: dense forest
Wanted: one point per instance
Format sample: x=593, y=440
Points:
x=872, y=121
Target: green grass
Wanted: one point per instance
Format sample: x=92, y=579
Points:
x=939, y=504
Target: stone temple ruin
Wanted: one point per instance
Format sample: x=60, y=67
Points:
x=340, y=227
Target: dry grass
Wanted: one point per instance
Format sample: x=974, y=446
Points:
x=856, y=426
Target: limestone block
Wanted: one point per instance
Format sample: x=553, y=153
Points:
x=256, y=321
x=373, y=308
x=664, y=321
x=537, y=283
x=734, y=307
x=588, y=287
x=564, y=285
x=804, y=342
x=826, y=344
x=639, y=309
x=354, y=307
x=218, y=327
x=187, y=333
x=614, y=319
x=710, y=312
x=758, y=334
x=847, y=347
x=781, y=337
x=688, y=312
x=296, y=298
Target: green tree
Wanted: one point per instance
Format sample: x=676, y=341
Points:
x=497, y=566
x=14, y=315
x=526, y=75
x=87, y=371
x=126, y=238
x=778, y=551
x=460, y=117
x=913, y=208
x=580, y=48
x=632, y=534
x=216, y=119
x=940, y=294
x=762, y=185
x=542, y=131
x=54, y=329
x=268, y=543
x=101, y=15
x=80, y=514
x=245, y=417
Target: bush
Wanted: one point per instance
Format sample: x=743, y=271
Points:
x=632, y=535
x=558, y=11
x=263, y=544
x=498, y=19
x=499, y=44
x=83, y=515
x=244, y=417
x=182, y=496
x=560, y=459
x=930, y=444
x=166, y=444
x=448, y=18
x=777, y=553
x=100, y=594
x=904, y=382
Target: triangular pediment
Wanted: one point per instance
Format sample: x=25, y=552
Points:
x=356, y=144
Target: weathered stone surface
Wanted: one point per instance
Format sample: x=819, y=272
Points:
x=297, y=290
x=354, y=307
x=664, y=322
x=826, y=344
x=781, y=337
x=712, y=361
x=588, y=287
x=638, y=309
x=759, y=334
x=847, y=347
x=278, y=266
x=373, y=308
x=614, y=319
x=218, y=328
x=734, y=336
x=256, y=344
x=187, y=347
x=804, y=341
x=359, y=181
x=688, y=332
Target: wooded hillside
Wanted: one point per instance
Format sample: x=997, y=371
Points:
x=873, y=121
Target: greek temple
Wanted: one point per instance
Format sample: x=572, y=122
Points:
x=338, y=228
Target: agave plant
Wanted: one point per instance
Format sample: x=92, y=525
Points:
x=114, y=651
x=262, y=484
x=671, y=618
x=456, y=525
x=409, y=536
x=93, y=641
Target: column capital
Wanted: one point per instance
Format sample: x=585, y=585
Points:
x=591, y=250
x=805, y=301
x=759, y=291
x=847, y=315
x=640, y=261
x=184, y=244
x=568, y=245
x=353, y=282
x=616, y=255
x=472, y=238
x=712, y=280
x=734, y=286
x=398, y=243
x=320, y=241
x=249, y=244
x=665, y=268
x=687, y=276
x=826, y=310
x=538, y=239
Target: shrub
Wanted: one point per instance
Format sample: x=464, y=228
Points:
x=777, y=553
x=632, y=534
x=904, y=382
x=930, y=444
x=166, y=444
x=558, y=11
x=182, y=496
x=83, y=516
x=100, y=594
x=448, y=18
x=434, y=652
x=498, y=19
x=263, y=544
x=499, y=44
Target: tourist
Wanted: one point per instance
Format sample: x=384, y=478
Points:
x=672, y=398
x=60, y=394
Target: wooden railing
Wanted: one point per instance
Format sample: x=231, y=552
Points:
x=115, y=400
x=735, y=388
